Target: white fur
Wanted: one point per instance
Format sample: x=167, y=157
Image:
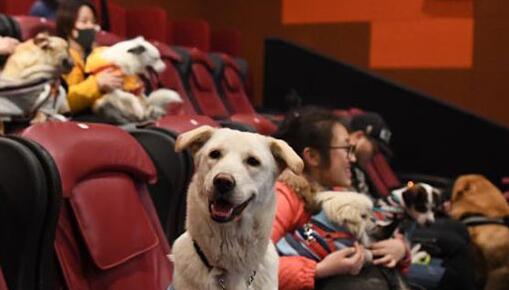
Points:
x=350, y=209
x=130, y=63
x=124, y=107
x=241, y=246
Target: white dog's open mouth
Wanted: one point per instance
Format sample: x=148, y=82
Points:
x=223, y=211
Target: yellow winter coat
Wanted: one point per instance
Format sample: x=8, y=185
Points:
x=82, y=90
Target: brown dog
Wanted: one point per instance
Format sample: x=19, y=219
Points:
x=474, y=194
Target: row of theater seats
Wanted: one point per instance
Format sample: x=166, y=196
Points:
x=153, y=23
x=95, y=211
x=212, y=85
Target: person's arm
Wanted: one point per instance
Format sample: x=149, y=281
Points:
x=7, y=45
x=295, y=273
x=300, y=273
x=392, y=252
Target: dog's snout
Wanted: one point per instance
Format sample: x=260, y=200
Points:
x=224, y=183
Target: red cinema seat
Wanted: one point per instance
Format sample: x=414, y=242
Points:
x=104, y=38
x=230, y=84
x=108, y=235
x=118, y=19
x=31, y=25
x=203, y=90
x=184, y=117
x=170, y=78
x=150, y=22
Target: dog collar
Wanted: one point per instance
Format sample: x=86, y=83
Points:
x=221, y=279
x=471, y=220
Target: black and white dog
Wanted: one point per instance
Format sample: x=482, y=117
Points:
x=414, y=202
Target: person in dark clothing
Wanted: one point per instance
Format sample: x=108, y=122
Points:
x=446, y=239
x=45, y=8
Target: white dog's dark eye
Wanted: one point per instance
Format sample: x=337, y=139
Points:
x=364, y=216
x=253, y=161
x=215, y=154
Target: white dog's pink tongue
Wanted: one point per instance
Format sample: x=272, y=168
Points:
x=222, y=209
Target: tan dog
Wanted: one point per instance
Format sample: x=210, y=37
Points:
x=42, y=58
x=475, y=194
x=230, y=210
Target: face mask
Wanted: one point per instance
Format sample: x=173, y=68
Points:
x=85, y=38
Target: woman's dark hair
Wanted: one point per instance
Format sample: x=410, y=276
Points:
x=67, y=13
x=309, y=127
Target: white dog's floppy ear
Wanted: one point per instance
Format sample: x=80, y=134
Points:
x=285, y=156
x=194, y=139
x=139, y=49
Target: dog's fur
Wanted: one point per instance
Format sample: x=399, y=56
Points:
x=351, y=210
x=415, y=201
x=235, y=244
x=43, y=57
x=475, y=194
x=134, y=57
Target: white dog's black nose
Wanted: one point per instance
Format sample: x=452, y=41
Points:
x=224, y=183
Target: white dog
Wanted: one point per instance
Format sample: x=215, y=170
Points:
x=345, y=218
x=132, y=58
x=351, y=210
x=230, y=210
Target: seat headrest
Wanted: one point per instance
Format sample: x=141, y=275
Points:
x=81, y=149
x=167, y=52
x=199, y=56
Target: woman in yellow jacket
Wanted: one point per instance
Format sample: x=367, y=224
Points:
x=76, y=22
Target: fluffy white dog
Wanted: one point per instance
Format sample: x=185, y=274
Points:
x=132, y=58
x=230, y=210
x=351, y=210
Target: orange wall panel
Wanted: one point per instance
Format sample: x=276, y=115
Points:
x=444, y=43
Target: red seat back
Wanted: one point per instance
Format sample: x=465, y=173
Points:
x=203, y=88
x=31, y=25
x=150, y=22
x=16, y=7
x=104, y=38
x=118, y=19
x=171, y=78
x=108, y=234
x=231, y=85
x=191, y=33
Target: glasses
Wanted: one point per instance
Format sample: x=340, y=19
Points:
x=350, y=149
